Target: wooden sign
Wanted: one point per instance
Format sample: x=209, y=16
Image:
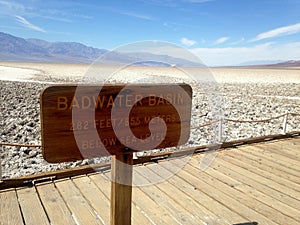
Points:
x=89, y=121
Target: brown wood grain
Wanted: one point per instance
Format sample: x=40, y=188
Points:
x=31, y=207
x=121, y=189
x=54, y=205
x=77, y=121
x=10, y=212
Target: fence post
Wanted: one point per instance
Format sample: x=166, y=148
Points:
x=284, y=123
x=220, y=138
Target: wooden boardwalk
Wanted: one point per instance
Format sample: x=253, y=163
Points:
x=251, y=183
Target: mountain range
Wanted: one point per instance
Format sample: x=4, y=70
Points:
x=290, y=63
x=35, y=50
x=14, y=48
x=271, y=63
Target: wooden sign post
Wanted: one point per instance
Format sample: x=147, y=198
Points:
x=80, y=122
x=121, y=189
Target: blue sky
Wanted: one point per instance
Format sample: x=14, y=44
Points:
x=219, y=32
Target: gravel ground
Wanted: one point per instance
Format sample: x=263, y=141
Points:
x=20, y=120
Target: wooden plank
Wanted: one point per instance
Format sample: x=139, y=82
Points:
x=199, y=213
x=284, y=149
x=154, y=213
x=261, y=151
x=85, y=119
x=177, y=211
x=293, y=149
x=138, y=215
x=200, y=149
x=292, y=142
x=243, y=198
x=269, y=190
x=264, y=173
x=220, y=193
x=32, y=209
x=261, y=207
x=275, y=151
x=103, y=183
x=94, y=196
x=296, y=140
x=290, y=195
x=64, y=173
x=230, y=174
x=258, y=163
x=269, y=163
x=9, y=208
x=53, y=175
x=82, y=212
x=56, y=209
x=194, y=200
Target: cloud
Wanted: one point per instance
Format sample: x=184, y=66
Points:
x=136, y=15
x=198, y=1
x=221, y=40
x=238, y=41
x=281, y=31
x=29, y=25
x=173, y=3
x=12, y=8
x=187, y=42
x=237, y=55
x=9, y=7
x=60, y=19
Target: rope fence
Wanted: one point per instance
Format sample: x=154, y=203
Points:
x=195, y=127
x=246, y=121
x=220, y=121
x=20, y=145
x=255, y=121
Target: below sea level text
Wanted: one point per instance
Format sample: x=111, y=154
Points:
x=126, y=140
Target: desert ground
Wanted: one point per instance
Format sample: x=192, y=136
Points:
x=236, y=93
x=49, y=72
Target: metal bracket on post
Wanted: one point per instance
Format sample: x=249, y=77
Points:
x=135, y=156
x=284, y=124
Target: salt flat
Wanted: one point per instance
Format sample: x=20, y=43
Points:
x=257, y=75
x=16, y=74
x=75, y=72
x=245, y=93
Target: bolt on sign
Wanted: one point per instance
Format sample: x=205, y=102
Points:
x=81, y=122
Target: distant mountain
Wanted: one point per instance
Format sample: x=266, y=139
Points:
x=152, y=63
x=18, y=49
x=260, y=62
x=35, y=50
x=14, y=45
x=271, y=63
x=149, y=59
x=291, y=63
x=72, y=49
